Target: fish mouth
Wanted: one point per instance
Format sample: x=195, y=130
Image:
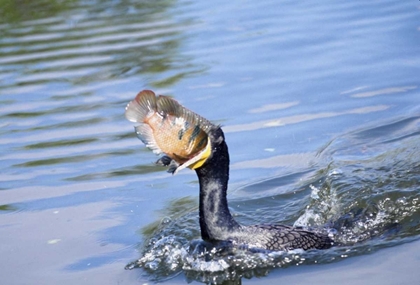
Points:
x=198, y=160
x=167, y=127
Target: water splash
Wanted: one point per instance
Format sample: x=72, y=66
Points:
x=364, y=194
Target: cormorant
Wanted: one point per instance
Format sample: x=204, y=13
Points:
x=188, y=140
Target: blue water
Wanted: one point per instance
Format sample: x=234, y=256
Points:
x=319, y=103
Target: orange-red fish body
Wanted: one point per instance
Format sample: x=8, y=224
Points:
x=167, y=127
x=176, y=137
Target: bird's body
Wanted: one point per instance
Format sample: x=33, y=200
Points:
x=202, y=147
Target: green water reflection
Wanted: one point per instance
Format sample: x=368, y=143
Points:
x=8, y=208
x=114, y=40
x=16, y=11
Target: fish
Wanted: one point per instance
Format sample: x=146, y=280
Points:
x=166, y=127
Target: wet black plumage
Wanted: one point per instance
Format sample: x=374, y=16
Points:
x=216, y=221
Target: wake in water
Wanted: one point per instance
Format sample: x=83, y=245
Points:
x=364, y=193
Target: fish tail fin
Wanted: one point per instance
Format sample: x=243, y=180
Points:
x=141, y=107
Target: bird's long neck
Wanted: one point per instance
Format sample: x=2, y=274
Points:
x=216, y=222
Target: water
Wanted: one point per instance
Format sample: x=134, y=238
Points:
x=319, y=103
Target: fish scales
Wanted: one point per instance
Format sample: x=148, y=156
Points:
x=166, y=132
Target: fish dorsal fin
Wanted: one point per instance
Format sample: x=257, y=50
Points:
x=197, y=120
x=167, y=105
x=141, y=107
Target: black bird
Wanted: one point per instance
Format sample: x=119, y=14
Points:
x=188, y=140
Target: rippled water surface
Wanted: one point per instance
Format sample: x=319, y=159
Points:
x=319, y=103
